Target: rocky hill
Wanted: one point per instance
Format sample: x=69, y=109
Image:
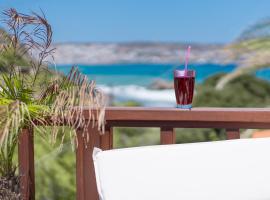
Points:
x=138, y=52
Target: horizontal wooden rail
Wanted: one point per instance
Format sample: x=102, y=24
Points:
x=195, y=114
x=231, y=119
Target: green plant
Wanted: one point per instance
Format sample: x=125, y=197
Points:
x=252, y=49
x=24, y=103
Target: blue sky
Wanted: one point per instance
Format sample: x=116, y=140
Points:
x=204, y=21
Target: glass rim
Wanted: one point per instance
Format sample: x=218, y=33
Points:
x=182, y=73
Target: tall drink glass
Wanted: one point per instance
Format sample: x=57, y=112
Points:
x=184, y=82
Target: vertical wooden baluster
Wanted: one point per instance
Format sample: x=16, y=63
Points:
x=26, y=164
x=167, y=135
x=232, y=134
x=80, y=167
x=85, y=173
x=106, y=140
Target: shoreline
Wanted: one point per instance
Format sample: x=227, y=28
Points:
x=143, y=74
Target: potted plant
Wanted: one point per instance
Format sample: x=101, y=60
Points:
x=29, y=99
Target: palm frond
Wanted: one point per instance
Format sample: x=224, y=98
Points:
x=22, y=104
x=260, y=29
x=72, y=95
x=29, y=35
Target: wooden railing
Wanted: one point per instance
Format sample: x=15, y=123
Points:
x=232, y=119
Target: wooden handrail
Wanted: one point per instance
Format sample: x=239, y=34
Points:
x=196, y=114
x=232, y=119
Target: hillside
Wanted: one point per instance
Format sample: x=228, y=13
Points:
x=138, y=52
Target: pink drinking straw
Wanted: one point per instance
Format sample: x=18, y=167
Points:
x=187, y=58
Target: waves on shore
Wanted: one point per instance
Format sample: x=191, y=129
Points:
x=151, y=97
x=130, y=82
x=140, y=94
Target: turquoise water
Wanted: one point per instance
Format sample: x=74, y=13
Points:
x=145, y=74
x=263, y=73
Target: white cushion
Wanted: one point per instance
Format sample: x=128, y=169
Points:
x=224, y=170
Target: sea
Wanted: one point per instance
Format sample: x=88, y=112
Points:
x=130, y=82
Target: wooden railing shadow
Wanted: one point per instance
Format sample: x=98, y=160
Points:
x=231, y=119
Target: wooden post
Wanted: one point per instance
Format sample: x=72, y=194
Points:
x=167, y=135
x=85, y=173
x=106, y=140
x=26, y=164
x=232, y=134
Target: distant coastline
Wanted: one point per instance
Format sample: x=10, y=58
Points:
x=143, y=74
x=139, y=52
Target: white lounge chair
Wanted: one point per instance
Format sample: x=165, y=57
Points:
x=223, y=170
